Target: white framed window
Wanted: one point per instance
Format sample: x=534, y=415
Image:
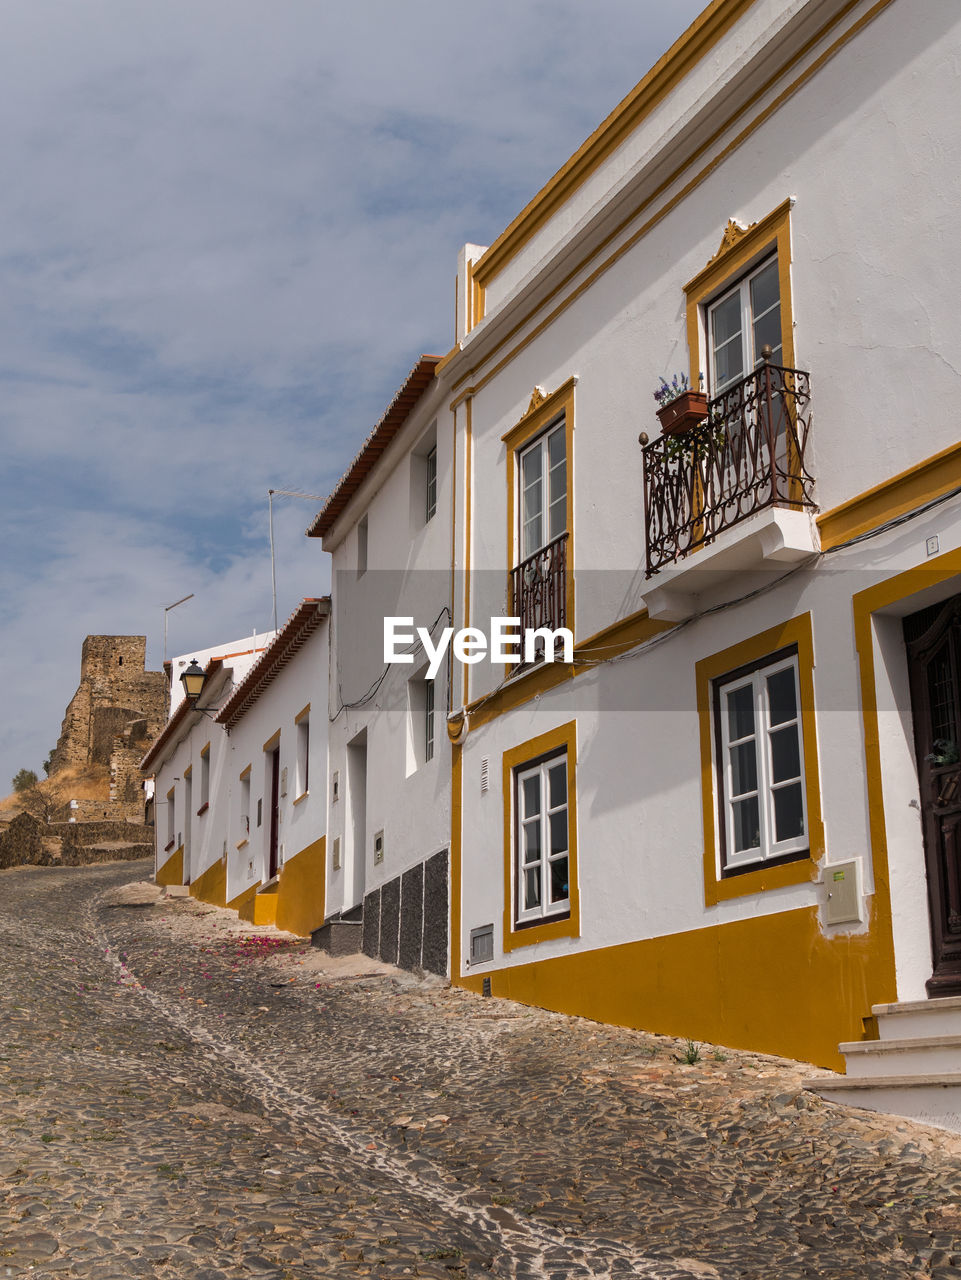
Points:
x=760, y=765
x=542, y=475
x=205, y=777
x=542, y=840
x=745, y=318
x=245, y=805
x=430, y=500
x=428, y=720
x=303, y=755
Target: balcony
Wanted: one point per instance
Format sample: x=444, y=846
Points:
x=539, y=587
x=747, y=458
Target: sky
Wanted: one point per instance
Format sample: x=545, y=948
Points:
x=228, y=228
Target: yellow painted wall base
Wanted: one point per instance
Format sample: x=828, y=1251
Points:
x=261, y=908
x=242, y=899
x=300, y=896
x=772, y=984
x=172, y=871
x=211, y=885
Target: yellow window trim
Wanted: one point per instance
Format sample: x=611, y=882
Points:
x=272, y=741
x=245, y=773
x=740, y=249
x=302, y=714
x=188, y=771
x=540, y=414
x=564, y=736
x=797, y=631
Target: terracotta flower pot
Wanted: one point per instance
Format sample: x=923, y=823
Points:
x=683, y=414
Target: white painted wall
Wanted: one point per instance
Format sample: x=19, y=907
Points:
x=873, y=161
x=217, y=833
x=404, y=796
x=303, y=815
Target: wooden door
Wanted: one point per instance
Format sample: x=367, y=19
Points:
x=273, y=862
x=933, y=641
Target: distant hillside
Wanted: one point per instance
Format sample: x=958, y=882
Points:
x=80, y=782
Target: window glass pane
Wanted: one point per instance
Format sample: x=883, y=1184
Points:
x=532, y=795
x=555, y=447
x=768, y=330
x=788, y=812
x=765, y=289
x=559, y=877
x=740, y=712
x=558, y=520
x=782, y=696
x=533, y=538
x=559, y=831
x=785, y=755
x=557, y=777
x=532, y=887
x=726, y=319
x=747, y=824
x=532, y=841
x=743, y=769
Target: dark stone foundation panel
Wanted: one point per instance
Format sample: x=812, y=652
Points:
x=436, y=914
x=371, y=943
x=390, y=921
x=411, y=917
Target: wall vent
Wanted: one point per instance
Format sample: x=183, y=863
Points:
x=482, y=944
x=485, y=775
x=336, y=859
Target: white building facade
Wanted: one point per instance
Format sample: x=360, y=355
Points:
x=242, y=773
x=730, y=817
x=387, y=526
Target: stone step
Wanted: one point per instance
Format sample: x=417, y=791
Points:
x=262, y=907
x=932, y=1099
x=909, y=1019
x=926, y=1055
x=339, y=937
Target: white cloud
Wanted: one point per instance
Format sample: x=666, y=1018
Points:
x=228, y=229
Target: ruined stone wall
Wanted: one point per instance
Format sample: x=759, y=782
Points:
x=115, y=692
x=28, y=842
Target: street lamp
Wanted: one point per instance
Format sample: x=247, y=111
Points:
x=192, y=680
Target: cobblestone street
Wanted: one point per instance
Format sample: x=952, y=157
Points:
x=181, y=1098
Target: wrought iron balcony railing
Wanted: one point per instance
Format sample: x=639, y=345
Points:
x=539, y=587
x=748, y=454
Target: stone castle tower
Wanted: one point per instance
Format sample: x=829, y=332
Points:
x=113, y=717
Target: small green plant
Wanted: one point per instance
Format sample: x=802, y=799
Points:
x=692, y=1053
x=718, y=1056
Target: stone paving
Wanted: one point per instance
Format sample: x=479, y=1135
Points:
x=181, y=1096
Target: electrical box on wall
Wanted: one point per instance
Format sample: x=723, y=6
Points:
x=379, y=847
x=842, y=882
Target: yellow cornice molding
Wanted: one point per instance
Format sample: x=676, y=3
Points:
x=903, y=492
x=695, y=43
x=691, y=185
